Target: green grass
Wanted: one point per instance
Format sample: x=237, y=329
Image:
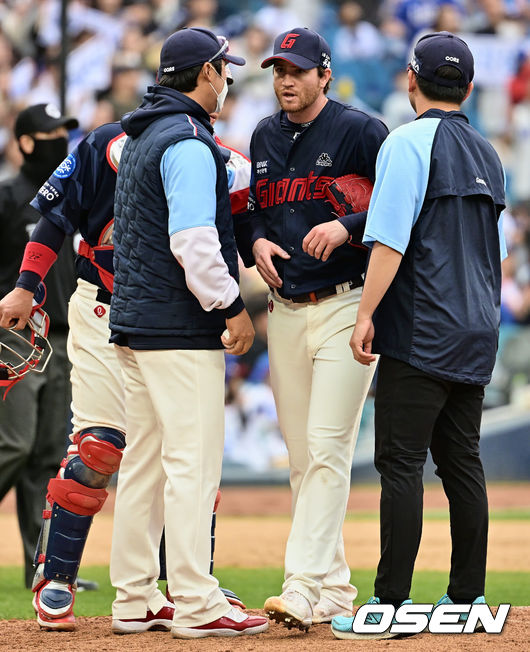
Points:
x=254, y=586
x=507, y=514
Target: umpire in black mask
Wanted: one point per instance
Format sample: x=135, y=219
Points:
x=42, y=135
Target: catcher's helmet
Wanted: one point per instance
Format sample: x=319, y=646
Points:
x=31, y=351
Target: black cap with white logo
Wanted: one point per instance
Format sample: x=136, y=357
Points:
x=42, y=117
x=443, y=49
x=192, y=46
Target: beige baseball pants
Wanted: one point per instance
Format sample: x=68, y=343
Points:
x=170, y=472
x=319, y=391
x=97, y=385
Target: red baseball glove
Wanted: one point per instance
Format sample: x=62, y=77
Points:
x=349, y=194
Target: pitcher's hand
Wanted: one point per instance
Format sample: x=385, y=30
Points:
x=263, y=251
x=324, y=238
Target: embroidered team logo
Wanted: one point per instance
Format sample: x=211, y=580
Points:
x=52, y=111
x=414, y=64
x=289, y=41
x=325, y=60
x=49, y=193
x=324, y=160
x=271, y=305
x=99, y=311
x=66, y=168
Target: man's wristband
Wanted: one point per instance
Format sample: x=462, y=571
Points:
x=28, y=281
x=37, y=258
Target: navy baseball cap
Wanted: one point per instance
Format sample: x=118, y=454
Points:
x=192, y=46
x=302, y=47
x=443, y=49
x=42, y=117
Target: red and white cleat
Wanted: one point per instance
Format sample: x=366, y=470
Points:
x=235, y=623
x=231, y=597
x=162, y=620
x=53, y=603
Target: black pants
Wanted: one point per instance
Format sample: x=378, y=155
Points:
x=33, y=422
x=414, y=412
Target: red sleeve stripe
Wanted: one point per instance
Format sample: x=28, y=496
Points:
x=38, y=258
x=192, y=124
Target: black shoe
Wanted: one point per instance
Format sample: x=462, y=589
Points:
x=86, y=585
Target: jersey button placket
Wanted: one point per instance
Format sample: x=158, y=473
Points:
x=292, y=286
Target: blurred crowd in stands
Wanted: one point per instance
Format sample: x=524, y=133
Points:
x=113, y=53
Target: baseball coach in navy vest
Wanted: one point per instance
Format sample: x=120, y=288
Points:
x=175, y=292
x=430, y=307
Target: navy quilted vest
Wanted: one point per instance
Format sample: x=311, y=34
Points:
x=151, y=299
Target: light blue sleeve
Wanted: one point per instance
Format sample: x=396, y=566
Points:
x=502, y=239
x=500, y=226
x=401, y=178
x=188, y=174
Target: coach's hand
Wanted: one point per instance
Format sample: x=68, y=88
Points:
x=15, y=308
x=241, y=334
x=361, y=341
x=324, y=238
x=263, y=250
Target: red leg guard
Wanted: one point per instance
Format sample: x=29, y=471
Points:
x=75, y=497
x=99, y=455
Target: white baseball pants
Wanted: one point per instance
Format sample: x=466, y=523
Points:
x=97, y=384
x=319, y=391
x=170, y=472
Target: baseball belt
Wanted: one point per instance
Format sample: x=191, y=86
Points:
x=322, y=293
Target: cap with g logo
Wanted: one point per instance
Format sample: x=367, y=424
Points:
x=302, y=47
x=443, y=49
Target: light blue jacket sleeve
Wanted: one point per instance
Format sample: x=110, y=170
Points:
x=502, y=239
x=188, y=174
x=401, y=178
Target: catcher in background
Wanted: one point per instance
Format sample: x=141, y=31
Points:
x=315, y=276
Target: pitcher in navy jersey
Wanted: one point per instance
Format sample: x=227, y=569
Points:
x=315, y=275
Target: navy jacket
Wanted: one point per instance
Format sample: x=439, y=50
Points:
x=152, y=307
x=442, y=311
x=286, y=190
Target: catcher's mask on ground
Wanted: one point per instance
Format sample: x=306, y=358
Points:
x=31, y=351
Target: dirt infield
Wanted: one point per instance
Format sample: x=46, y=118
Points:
x=253, y=525
x=94, y=634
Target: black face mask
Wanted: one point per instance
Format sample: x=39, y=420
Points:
x=45, y=158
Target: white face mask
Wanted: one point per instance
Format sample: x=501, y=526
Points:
x=220, y=96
